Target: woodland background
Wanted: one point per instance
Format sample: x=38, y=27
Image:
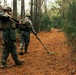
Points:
x=47, y=14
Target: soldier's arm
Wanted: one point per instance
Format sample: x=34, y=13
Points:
x=32, y=28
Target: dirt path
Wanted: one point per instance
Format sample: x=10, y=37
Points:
x=38, y=62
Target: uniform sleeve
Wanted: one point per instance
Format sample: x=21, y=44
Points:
x=32, y=28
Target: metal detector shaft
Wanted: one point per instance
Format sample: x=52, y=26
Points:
x=41, y=43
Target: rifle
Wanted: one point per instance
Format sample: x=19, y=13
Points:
x=15, y=20
x=4, y=19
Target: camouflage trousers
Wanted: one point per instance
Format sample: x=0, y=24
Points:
x=24, y=40
x=9, y=47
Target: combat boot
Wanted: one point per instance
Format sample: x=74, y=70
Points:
x=25, y=50
x=3, y=63
x=19, y=62
x=6, y=66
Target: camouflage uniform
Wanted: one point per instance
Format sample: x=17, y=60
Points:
x=9, y=40
x=25, y=33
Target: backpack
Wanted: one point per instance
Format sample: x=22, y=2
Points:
x=26, y=24
x=1, y=13
x=4, y=21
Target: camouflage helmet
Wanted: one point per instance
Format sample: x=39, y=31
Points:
x=28, y=15
x=1, y=8
x=7, y=8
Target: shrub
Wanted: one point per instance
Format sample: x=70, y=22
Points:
x=45, y=23
x=57, y=22
x=70, y=28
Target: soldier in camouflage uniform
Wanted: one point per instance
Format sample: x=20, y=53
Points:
x=8, y=37
x=25, y=33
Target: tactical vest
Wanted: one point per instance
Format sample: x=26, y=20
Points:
x=5, y=21
x=8, y=32
x=9, y=35
x=26, y=25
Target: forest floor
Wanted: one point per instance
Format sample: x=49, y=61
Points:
x=38, y=62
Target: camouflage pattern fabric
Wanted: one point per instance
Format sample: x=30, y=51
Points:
x=9, y=35
x=9, y=42
x=9, y=47
x=25, y=39
x=25, y=33
x=5, y=21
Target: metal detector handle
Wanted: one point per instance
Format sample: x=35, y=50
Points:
x=41, y=43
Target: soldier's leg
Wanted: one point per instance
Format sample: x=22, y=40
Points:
x=27, y=40
x=26, y=46
x=5, y=54
x=21, y=42
x=14, y=54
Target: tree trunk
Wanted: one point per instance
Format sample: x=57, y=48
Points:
x=65, y=4
x=31, y=12
x=45, y=6
x=36, y=15
x=22, y=9
x=5, y=2
x=39, y=14
x=15, y=9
